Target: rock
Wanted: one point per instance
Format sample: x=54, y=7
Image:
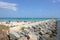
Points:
x=14, y=35
x=23, y=33
x=32, y=37
x=46, y=36
x=40, y=37
x=7, y=22
x=23, y=38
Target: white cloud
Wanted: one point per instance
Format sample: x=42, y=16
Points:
x=7, y=5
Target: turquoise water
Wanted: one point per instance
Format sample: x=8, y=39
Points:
x=24, y=19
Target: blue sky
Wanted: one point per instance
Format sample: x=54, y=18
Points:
x=30, y=8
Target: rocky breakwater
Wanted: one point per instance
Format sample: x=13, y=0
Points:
x=42, y=30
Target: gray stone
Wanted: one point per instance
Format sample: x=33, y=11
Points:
x=14, y=35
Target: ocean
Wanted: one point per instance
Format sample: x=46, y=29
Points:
x=58, y=31
x=24, y=19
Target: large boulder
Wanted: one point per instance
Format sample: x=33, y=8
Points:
x=23, y=38
x=14, y=35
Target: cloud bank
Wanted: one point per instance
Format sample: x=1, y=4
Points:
x=7, y=5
